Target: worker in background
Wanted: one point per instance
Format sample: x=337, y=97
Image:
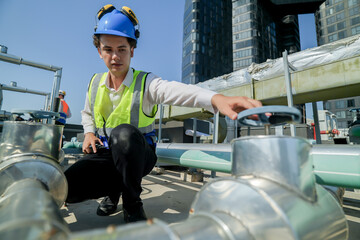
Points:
x=64, y=107
x=118, y=119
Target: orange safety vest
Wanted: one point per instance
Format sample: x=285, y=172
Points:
x=65, y=107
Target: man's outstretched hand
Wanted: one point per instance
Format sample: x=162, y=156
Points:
x=231, y=106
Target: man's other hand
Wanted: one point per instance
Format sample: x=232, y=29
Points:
x=89, y=144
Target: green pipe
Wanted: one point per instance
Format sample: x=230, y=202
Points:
x=337, y=165
x=196, y=156
x=334, y=165
x=73, y=145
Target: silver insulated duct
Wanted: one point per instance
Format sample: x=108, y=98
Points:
x=32, y=185
x=271, y=195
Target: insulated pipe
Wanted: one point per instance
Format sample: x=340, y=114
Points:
x=19, y=137
x=37, y=167
x=281, y=159
x=196, y=155
x=270, y=210
x=28, y=211
x=271, y=195
x=30, y=150
x=329, y=160
x=32, y=184
x=337, y=165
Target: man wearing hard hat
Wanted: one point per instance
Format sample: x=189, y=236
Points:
x=118, y=119
x=64, y=107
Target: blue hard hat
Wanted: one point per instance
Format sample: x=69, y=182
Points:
x=116, y=23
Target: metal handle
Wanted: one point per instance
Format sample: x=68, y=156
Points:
x=279, y=115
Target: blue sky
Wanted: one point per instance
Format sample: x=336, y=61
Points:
x=59, y=33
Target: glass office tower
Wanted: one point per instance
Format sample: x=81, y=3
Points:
x=335, y=20
x=221, y=36
x=261, y=32
x=207, y=45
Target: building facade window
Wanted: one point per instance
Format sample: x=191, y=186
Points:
x=342, y=124
x=341, y=25
x=327, y=105
x=243, y=44
x=242, y=26
x=333, y=37
x=243, y=9
x=242, y=18
x=353, y=2
x=340, y=16
x=340, y=104
x=342, y=34
x=242, y=35
x=240, y=3
x=355, y=30
x=339, y=7
x=243, y=53
x=330, y=20
x=355, y=11
x=243, y=63
x=351, y=103
x=331, y=28
x=340, y=114
x=355, y=21
x=329, y=11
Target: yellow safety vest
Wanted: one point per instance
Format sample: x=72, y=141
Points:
x=129, y=109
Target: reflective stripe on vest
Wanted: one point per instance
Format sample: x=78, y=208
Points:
x=129, y=109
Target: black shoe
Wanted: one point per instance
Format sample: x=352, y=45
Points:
x=137, y=215
x=107, y=207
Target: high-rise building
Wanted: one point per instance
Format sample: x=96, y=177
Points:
x=335, y=20
x=221, y=36
x=207, y=50
x=261, y=31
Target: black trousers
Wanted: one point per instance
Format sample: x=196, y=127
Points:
x=114, y=171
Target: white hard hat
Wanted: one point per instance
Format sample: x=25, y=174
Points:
x=61, y=92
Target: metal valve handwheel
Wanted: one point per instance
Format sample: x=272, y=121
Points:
x=36, y=114
x=279, y=115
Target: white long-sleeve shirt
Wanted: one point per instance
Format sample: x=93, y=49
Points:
x=157, y=91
